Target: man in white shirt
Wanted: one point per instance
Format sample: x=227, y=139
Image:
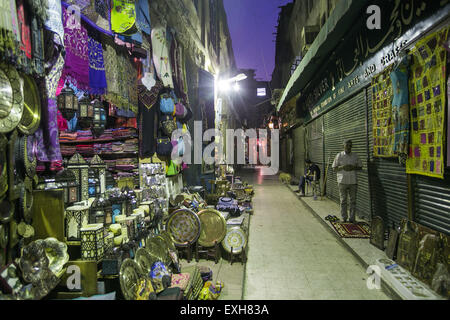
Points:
x=346, y=164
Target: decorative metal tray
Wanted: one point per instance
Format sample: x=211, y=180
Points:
x=235, y=240
x=213, y=227
x=130, y=274
x=145, y=259
x=184, y=227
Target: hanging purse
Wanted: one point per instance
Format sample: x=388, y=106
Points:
x=163, y=146
x=167, y=125
x=166, y=105
x=180, y=110
x=172, y=169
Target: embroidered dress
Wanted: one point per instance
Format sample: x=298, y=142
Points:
x=161, y=58
x=76, y=68
x=97, y=77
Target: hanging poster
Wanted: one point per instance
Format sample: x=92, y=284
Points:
x=427, y=102
x=383, y=130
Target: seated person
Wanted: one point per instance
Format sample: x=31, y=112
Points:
x=310, y=170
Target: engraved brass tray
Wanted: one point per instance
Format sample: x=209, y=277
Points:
x=169, y=240
x=11, y=98
x=235, y=240
x=158, y=247
x=184, y=227
x=31, y=116
x=145, y=259
x=130, y=274
x=213, y=227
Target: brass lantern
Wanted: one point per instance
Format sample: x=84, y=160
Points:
x=101, y=211
x=118, y=202
x=86, y=112
x=67, y=180
x=99, y=121
x=67, y=102
x=80, y=168
x=94, y=184
x=98, y=166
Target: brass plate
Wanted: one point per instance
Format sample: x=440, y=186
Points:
x=130, y=274
x=3, y=165
x=11, y=98
x=160, y=249
x=184, y=227
x=236, y=239
x=169, y=240
x=145, y=260
x=213, y=227
x=31, y=116
x=6, y=210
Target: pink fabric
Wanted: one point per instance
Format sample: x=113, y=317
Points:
x=76, y=68
x=62, y=123
x=180, y=280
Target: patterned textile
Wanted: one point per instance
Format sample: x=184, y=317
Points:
x=47, y=135
x=54, y=21
x=180, y=280
x=400, y=110
x=24, y=28
x=382, y=115
x=161, y=45
x=351, y=230
x=51, y=80
x=123, y=15
x=76, y=68
x=427, y=100
x=111, y=69
x=97, y=77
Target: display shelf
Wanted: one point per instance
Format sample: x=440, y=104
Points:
x=98, y=140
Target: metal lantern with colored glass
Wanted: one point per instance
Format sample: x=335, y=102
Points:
x=131, y=203
x=68, y=181
x=99, y=121
x=118, y=202
x=80, y=168
x=67, y=102
x=101, y=211
x=94, y=184
x=98, y=166
x=86, y=115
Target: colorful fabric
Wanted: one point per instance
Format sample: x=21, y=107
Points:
x=52, y=78
x=383, y=128
x=54, y=20
x=76, y=68
x=427, y=102
x=97, y=77
x=400, y=110
x=180, y=280
x=46, y=136
x=123, y=15
x=111, y=69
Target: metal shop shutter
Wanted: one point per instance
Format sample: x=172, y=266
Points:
x=299, y=151
x=283, y=155
x=432, y=202
x=314, y=143
x=388, y=183
x=349, y=120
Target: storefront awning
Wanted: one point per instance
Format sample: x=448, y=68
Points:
x=337, y=25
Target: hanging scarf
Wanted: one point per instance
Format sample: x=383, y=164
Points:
x=97, y=77
x=47, y=135
x=76, y=68
x=161, y=45
x=25, y=36
x=54, y=21
x=111, y=70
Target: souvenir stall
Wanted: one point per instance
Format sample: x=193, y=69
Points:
x=91, y=186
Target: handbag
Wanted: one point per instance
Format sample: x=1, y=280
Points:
x=164, y=146
x=180, y=110
x=166, y=105
x=172, y=169
x=168, y=125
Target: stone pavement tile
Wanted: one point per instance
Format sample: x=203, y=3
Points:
x=349, y=295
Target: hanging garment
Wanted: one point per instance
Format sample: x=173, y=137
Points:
x=47, y=135
x=54, y=20
x=161, y=45
x=76, y=68
x=123, y=16
x=97, y=77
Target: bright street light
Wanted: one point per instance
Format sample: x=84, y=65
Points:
x=225, y=85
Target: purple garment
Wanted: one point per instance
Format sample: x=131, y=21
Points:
x=46, y=137
x=97, y=76
x=76, y=68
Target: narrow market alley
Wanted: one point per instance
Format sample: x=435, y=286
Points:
x=292, y=256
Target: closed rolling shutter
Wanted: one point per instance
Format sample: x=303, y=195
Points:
x=349, y=121
x=283, y=155
x=314, y=143
x=388, y=183
x=289, y=155
x=432, y=202
x=299, y=152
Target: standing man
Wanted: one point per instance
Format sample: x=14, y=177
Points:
x=312, y=171
x=346, y=164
